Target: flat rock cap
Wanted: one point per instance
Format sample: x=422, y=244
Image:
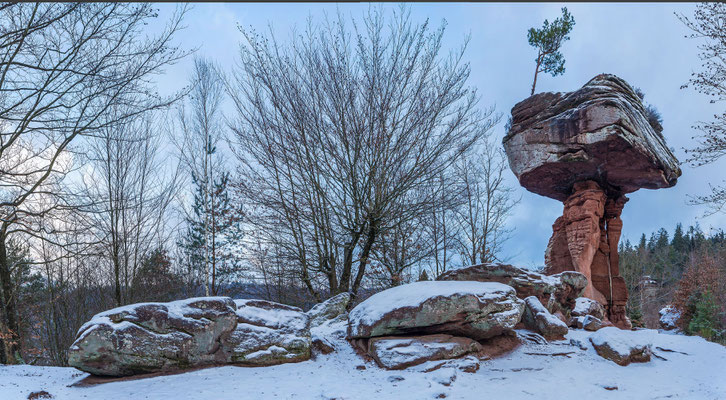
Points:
x=599, y=132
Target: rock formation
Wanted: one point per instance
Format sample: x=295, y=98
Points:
x=588, y=149
x=160, y=337
x=557, y=292
x=427, y=321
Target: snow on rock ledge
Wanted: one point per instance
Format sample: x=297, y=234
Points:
x=478, y=310
x=557, y=292
x=621, y=346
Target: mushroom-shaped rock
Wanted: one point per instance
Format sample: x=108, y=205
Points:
x=154, y=337
x=269, y=333
x=478, y=310
x=557, y=292
x=588, y=148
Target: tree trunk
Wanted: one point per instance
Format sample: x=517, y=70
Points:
x=536, y=70
x=365, y=253
x=11, y=345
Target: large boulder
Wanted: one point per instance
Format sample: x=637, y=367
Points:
x=620, y=346
x=269, y=333
x=158, y=337
x=329, y=309
x=537, y=318
x=478, y=310
x=556, y=292
x=154, y=337
x=599, y=132
x=399, y=352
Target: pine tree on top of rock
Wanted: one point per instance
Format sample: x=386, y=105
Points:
x=548, y=40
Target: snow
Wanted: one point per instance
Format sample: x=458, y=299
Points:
x=414, y=294
x=692, y=368
x=277, y=317
x=669, y=317
x=176, y=309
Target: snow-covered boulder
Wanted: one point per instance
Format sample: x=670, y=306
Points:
x=478, y=310
x=269, y=333
x=557, y=292
x=537, y=318
x=328, y=309
x=621, y=346
x=153, y=337
x=399, y=352
x=588, y=323
x=669, y=316
x=591, y=323
x=585, y=306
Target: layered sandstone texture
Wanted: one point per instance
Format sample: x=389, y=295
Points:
x=588, y=149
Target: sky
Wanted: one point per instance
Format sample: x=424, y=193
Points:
x=644, y=44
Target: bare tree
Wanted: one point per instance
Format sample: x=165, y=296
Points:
x=338, y=129
x=62, y=68
x=131, y=192
x=202, y=131
x=488, y=201
x=707, y=24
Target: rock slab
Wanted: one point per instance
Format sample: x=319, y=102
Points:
x=477, y=310
x=399, y=352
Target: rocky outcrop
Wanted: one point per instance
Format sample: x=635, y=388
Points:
x=154, y=337
x=588, y=149
x=399, y=352
x=159, y=337
x=269, y=333
x=537, y=318
x=621, y=347
x=557, y=292
x=477, y=310
x=329, y=309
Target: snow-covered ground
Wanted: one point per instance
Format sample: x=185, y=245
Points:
x=694, y=369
